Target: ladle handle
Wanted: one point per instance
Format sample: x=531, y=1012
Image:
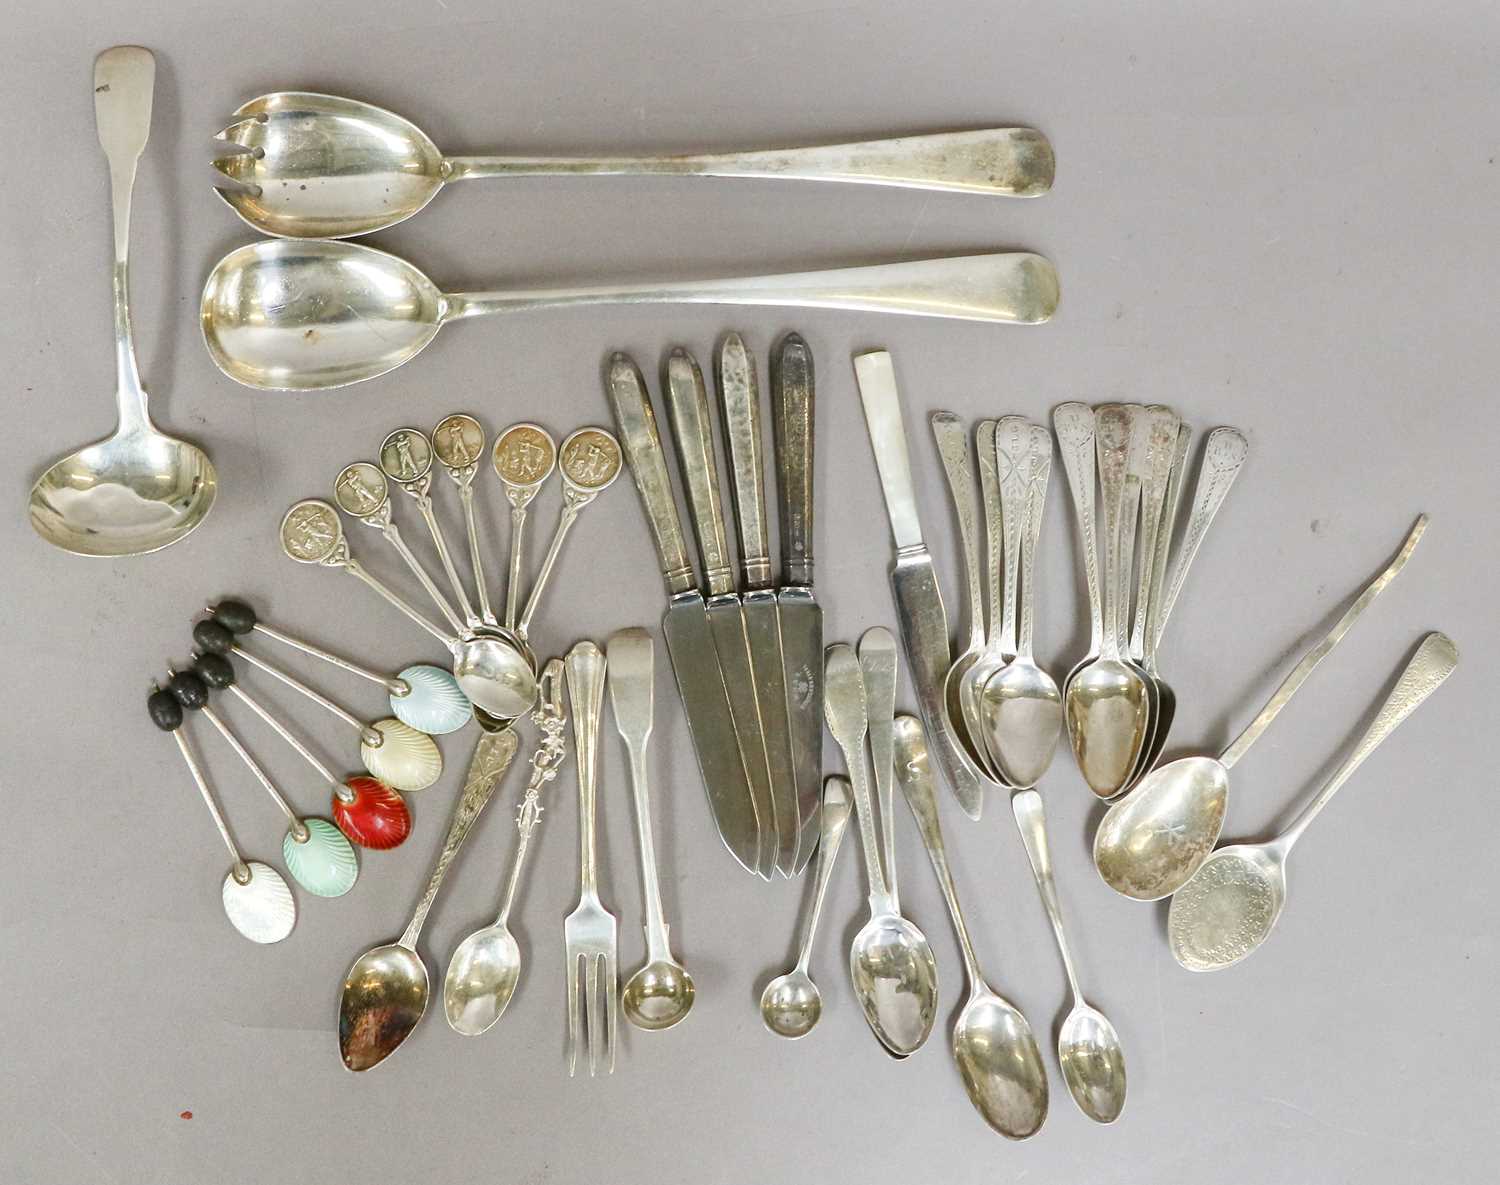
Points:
x=1031, y=821
x=1429, y=666
x=1015, y=287
x=124, y=84
x=1016, y=162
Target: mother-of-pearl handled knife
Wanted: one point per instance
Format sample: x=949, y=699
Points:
x=919, y=602
x=695, y=664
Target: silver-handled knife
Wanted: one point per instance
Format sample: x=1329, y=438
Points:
x=801, y=615
x=739, y=407
x=919, y=601
x=700, y=682
x=687, y=411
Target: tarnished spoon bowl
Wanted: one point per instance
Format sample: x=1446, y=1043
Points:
x=1107, y=708
x=481, y=978
x=1151, y=842
x=318, y=166
x=385, y=995
x=791, y=1005
x=1093, y=1065
x=895, y=978
x=1001, y=1067
x=658, y=995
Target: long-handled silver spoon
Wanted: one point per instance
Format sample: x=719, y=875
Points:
x=386, y=989
x=486, y=966
x=288, y=315
x=890, y=962
x=791, y=1004
x=1088, y=1048
x=1233, y=901
x=524, y=457
x=138, y=490
x=993, y=1045
x=310, y=165
x=1154, y=839
x=256, y=899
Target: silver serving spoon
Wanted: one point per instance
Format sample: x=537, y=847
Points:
x=385, y=991
x=791, y=1004
x=890, y=962
x=138, y=490
x=1088, y=1048
x=524, y=457
x=1020, y=704
x=288, y=315
x=486, y=966
x=993, y=1045
x=1233, y=901
x=308, y=165
x=1152, y=841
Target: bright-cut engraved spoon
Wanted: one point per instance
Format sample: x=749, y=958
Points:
x=993, y=1044
x=292, y=315
x=1074, y=424
x=791, y=1003
x=138, y=490
x=1233, y=901
x=309, y=165
x=524, y=457
x=890, y=961
x=1088, y=1048
x=1154, y=839
x=486, y=967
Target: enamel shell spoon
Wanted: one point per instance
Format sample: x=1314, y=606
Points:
x=1152, y=841
x=1232, y=903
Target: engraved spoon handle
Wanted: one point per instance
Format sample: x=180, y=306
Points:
x=1161, y=440
x=1036, y=504
x=1074, y=424
x=1112, y=439
x=1224, y=456
x=1013, y=455
x=1175, y=485
x=953, y=448
x=994, y=531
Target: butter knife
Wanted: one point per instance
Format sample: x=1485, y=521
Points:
x=700, y=683
x=919, y=602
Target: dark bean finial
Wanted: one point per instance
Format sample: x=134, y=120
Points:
x=212, y=636
x=235, y=616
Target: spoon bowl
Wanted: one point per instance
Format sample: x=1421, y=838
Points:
x=481, y=978
x=791, y=1004
x=658, y=995
x=384, y=998
x=1228, y=908
x=495, y=673
x=895, y=978
x=1093, y=1065
x=1002, y=1069
x=1107, y=711
x=1151, y=842
x=1023, y=715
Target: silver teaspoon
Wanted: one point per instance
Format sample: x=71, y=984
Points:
x=1088, y=1049
x=890, y=962
x=1233, y=902
x=993, y=1044
x=458, y=441
x=524, y=457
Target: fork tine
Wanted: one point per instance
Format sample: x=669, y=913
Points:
x=612, y=1010
x=230, y=131
x=573, y=1017
x=226, y=184
x=595, y=1021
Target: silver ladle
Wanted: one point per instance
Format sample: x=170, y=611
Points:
x=292, y=315
x=308, y=165
x=138, y=490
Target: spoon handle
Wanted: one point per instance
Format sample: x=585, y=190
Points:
x=465, y=480
x=1161, y=441
x=367, y=734
x=845, y=710
x=833, y=819
x=1031, y=821
x=241, y=871
x=1013, y=287
x=573, y=503
x=877, y=664
x=445, y=556
x=392, y=534
x=551, y=719
x=1168, y=526
x=288, y=736
x=393, y=686
x=356, y=569
x=1016, y=162
x=994, y=529
x=1074, y=423
x=492, y=756
x=124, y=85
x=1036, y=504
x=953, y=448
x=1224, y=456
x=257, y=770
x=1310, y=660
x=1013, y=456
x=1429, y=666
x=1112, y=439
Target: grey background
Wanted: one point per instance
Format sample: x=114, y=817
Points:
x=1276, y=215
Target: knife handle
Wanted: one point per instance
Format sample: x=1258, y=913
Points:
x=877, y=391
x=739, y=413
x=687, y=412
x=792, y=427
x=641, y=442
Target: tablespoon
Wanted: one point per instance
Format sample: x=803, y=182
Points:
x=386, y=989
x=890, y=962
x=791, y=1004
x=524, y=457
x=309, y=165
x=1152, y=841
x=1233, y=901
x=311, y=315
x=993, y=1045
x=138, y=490
x=458, y=442
x=486, y=967
x=1088, y=1048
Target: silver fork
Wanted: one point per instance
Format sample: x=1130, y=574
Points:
x=590, y=931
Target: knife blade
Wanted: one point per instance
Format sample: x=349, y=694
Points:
x=919, y=601
x=801, y=616
x=739, y=406
x=687, y=412
x=700, y=683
